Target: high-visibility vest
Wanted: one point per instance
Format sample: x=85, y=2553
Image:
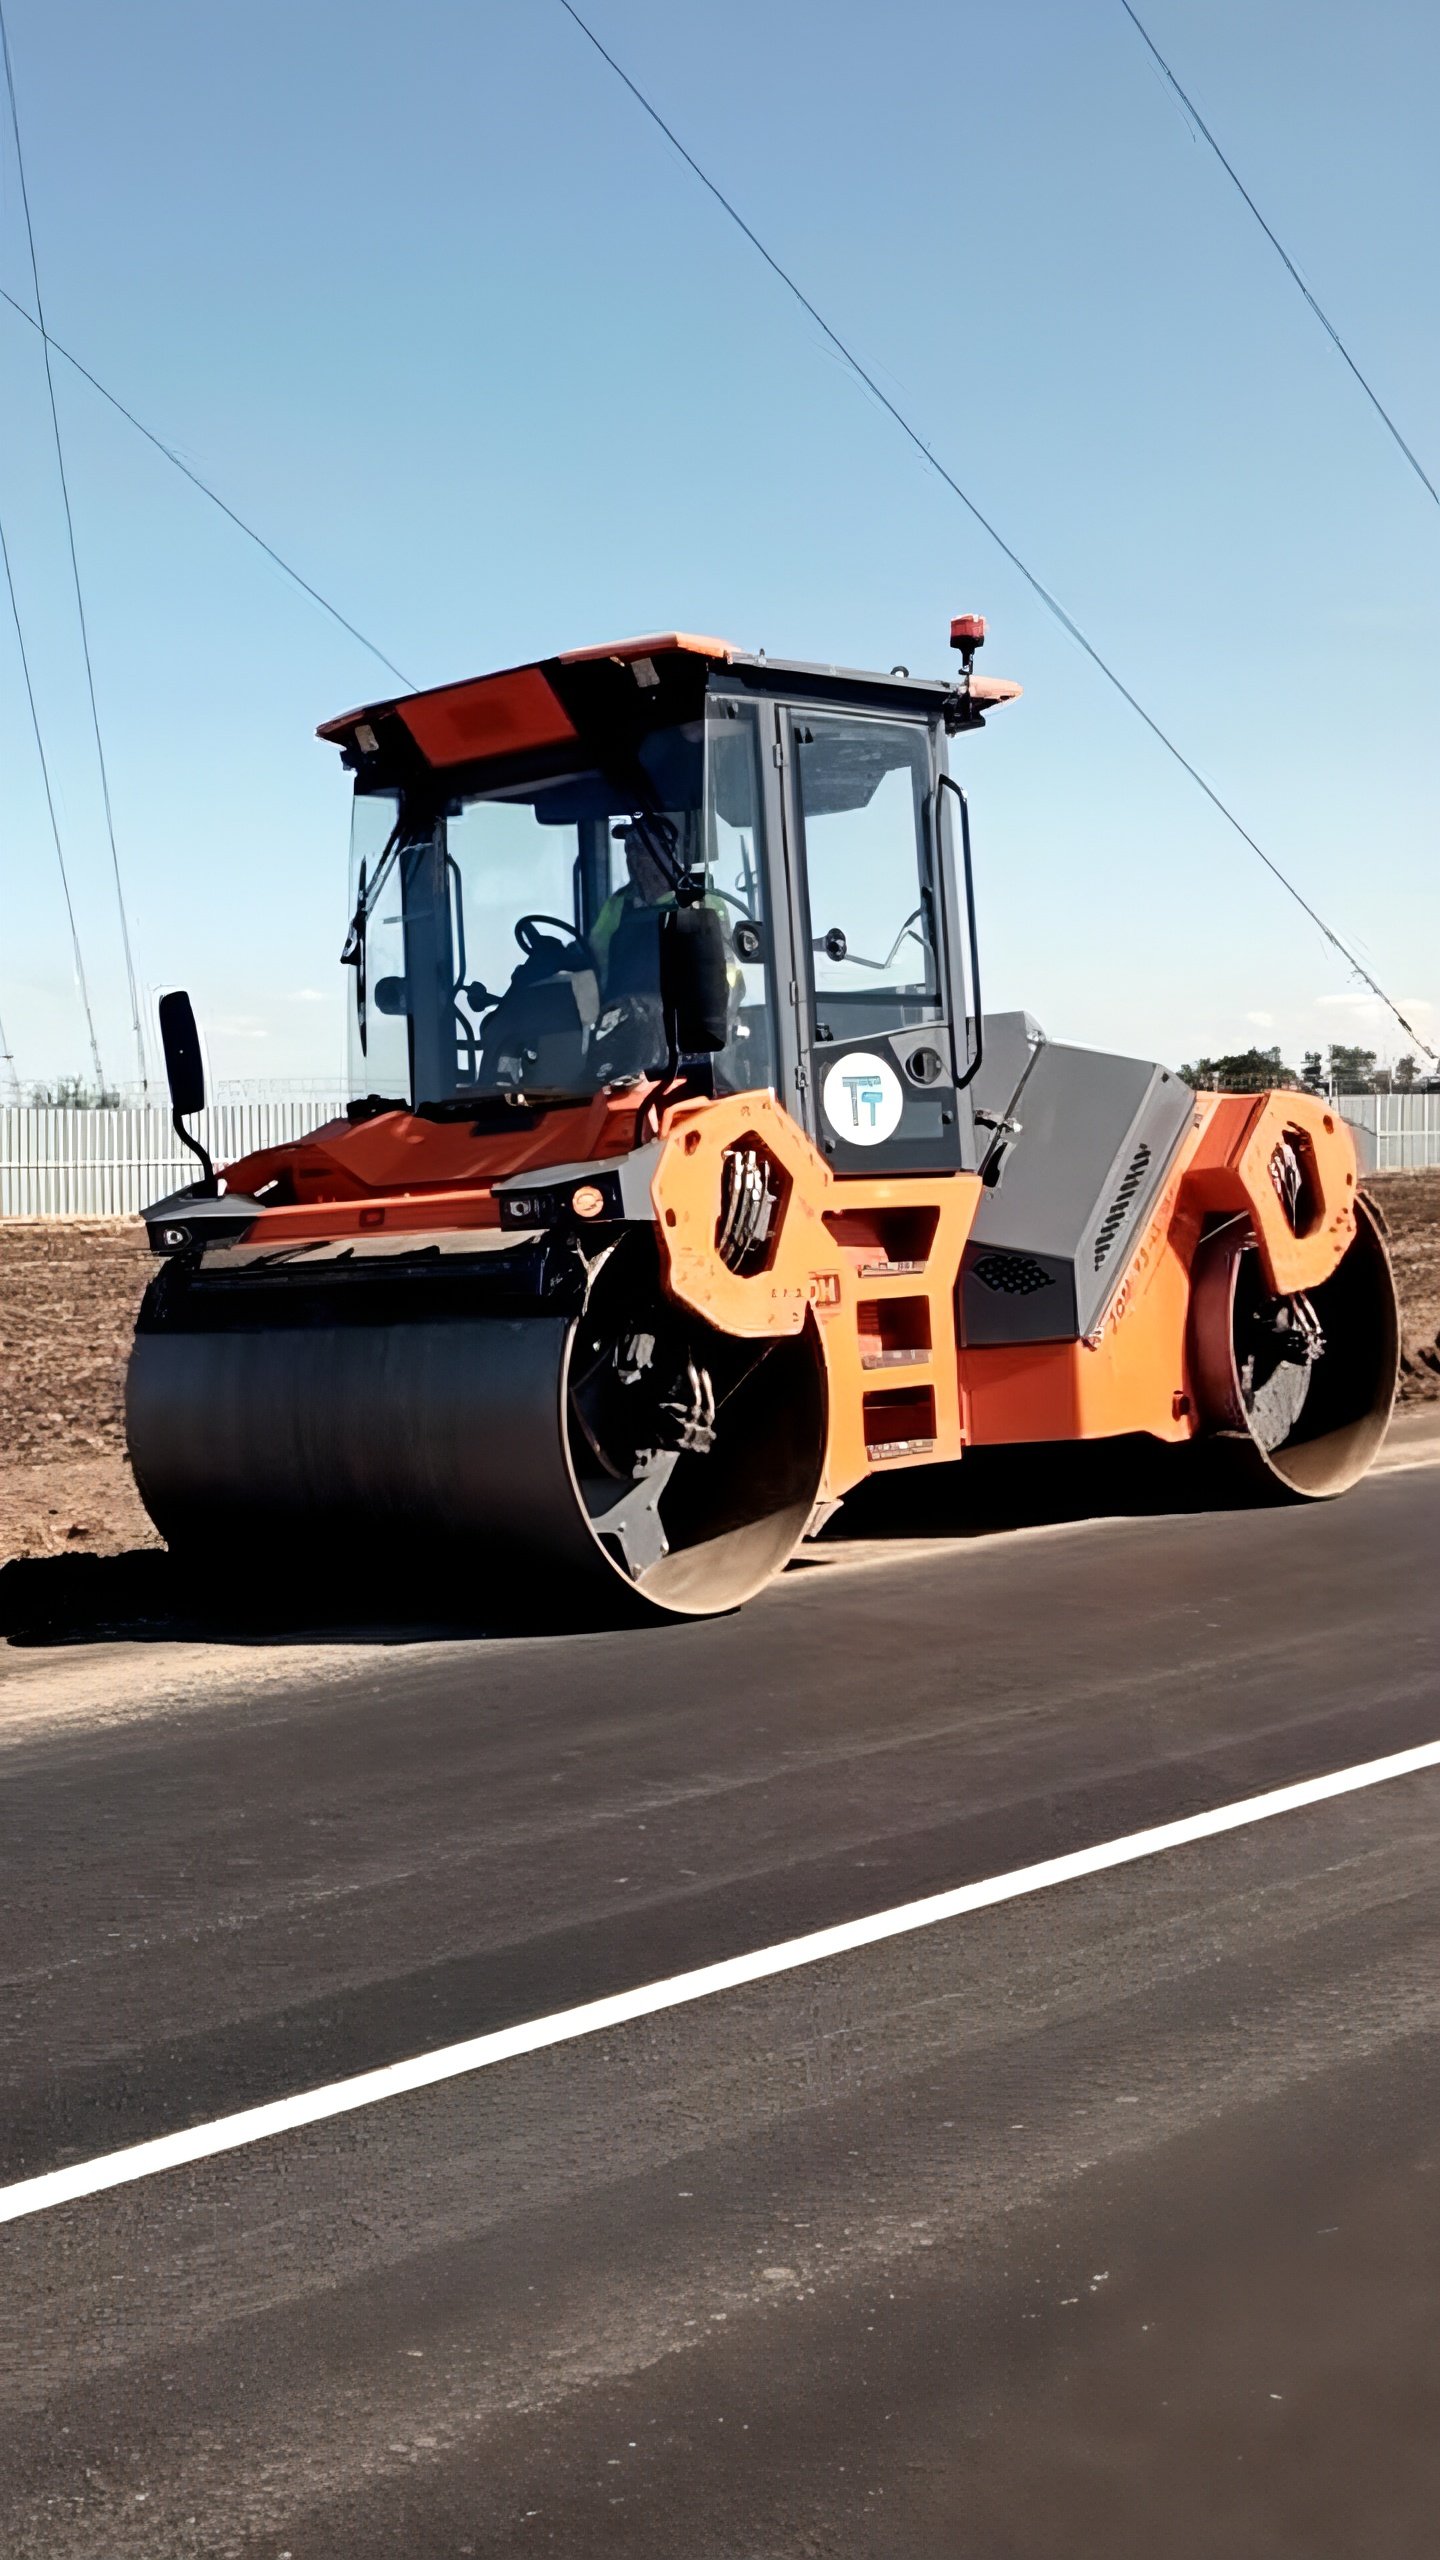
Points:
x=624, y=903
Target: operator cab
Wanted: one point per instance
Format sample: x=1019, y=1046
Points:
x=518, y=844
x=506, y=942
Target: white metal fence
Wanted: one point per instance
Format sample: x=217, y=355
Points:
x=1394, y=1132
x=109, y=1164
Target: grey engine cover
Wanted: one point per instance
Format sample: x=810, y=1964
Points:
x=1051, y=1241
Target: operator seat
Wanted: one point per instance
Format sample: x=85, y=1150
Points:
x=539, y=1032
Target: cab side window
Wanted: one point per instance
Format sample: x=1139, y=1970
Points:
x=863, y=788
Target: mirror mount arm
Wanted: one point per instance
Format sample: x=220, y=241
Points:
x=209, y=1185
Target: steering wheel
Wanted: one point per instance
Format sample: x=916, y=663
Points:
x=529, y=938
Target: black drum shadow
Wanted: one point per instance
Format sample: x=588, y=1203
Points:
x=1042, y=1484
x=148, y=1596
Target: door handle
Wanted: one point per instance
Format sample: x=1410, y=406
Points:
x=977, y=1048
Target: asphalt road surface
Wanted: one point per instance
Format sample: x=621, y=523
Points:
x=1106, y=2222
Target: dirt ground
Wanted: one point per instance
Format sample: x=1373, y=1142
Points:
x=68, y=1294
x=1410, y=1205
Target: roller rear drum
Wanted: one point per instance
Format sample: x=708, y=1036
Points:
x=1299, y=1389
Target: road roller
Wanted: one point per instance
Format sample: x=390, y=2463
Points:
x=687, y=1185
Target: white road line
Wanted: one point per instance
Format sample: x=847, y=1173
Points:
x=594, y=2017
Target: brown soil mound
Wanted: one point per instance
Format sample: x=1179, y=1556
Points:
x=68, y=1295
x=1410, y=1205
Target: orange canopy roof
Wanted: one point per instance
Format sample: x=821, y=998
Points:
x=512, y=710
x=520, y=710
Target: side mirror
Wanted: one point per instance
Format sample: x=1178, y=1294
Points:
x=184, y=1066
x=184, y=1072
x=694, y=987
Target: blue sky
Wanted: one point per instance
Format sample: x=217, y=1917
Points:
x=428, y=300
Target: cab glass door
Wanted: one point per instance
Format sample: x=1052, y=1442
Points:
x=881, y=1063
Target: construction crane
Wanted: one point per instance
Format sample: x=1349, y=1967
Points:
x=687, y=1184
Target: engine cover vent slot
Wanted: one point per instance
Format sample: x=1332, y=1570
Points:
x=1122, y=1204
x=1013, y=1275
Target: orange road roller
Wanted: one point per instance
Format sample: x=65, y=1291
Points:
x=687, y=1184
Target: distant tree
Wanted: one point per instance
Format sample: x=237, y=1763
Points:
x=1243, y=1071
x=1312, y=1071
x=1352, y=1070
x=1407, y=1073
x=72, y=1093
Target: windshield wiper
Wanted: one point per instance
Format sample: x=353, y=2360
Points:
x=353, y=954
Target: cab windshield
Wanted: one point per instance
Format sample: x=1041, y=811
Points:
x=507, y=943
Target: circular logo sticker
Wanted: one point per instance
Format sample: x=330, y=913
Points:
x=862, y=1098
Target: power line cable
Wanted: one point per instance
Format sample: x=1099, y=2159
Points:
x=130, y=983
x=80, y=979
x=213, y=495
x=1051, y=603
x=1282, y=253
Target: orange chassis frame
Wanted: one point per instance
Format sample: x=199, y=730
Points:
x=874, y=1265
